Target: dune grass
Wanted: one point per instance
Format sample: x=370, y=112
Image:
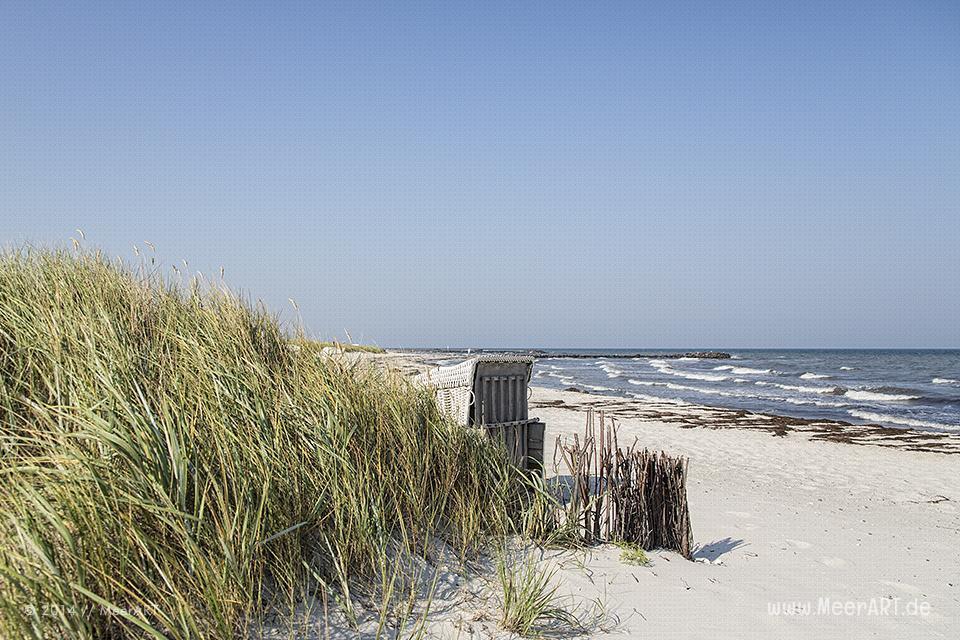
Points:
x=172, y=468
x=529, y=600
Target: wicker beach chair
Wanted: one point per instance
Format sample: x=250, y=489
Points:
x=491, y=392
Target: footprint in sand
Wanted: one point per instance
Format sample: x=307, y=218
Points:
x=799, y=544
x=743, y=515
x=902, y=586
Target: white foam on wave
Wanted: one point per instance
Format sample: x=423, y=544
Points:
x=816, y=403
x=612, y=372
x=682, y=387
x=945, y=381
x=743, y=371
x=874, y=396
x=790, y=387
x=559, y=376
x=901, y=420
x=594, y=387
x=749, y=371
x=663, y=367
x=846, y=368
x=718, y=392
x=647, y=398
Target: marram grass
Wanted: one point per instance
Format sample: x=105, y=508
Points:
x=171, y=467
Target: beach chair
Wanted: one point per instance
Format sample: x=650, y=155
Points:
x=490, y=392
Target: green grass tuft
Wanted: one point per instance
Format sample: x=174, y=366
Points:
x=633, y=554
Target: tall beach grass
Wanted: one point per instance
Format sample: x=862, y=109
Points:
x=171, y=467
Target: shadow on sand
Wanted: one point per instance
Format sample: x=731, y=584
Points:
x=713, y=550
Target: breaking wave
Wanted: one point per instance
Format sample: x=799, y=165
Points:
x=876, y=396
x=663, y=367
x=833, y=391
x=907, y=422
x=743, y=370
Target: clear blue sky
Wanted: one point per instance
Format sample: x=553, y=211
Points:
x=714, y=174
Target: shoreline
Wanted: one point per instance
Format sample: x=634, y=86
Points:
x=716, y=417
x=689, y=415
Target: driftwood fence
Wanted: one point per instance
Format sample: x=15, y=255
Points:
x=624, y=494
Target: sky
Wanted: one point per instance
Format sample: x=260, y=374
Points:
x=622, y=175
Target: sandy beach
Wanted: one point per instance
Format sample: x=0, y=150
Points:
x=787, y=523
x=798, y=533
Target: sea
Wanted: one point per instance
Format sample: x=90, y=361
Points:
x=918, y=389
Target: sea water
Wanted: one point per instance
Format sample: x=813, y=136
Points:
x=896, y=388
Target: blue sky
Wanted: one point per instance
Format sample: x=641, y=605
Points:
x=756, y=174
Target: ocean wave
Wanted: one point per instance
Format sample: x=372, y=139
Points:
x=815, y=376
x=728, y=394
x=748, y=371
x=648, y=398
x=712, y=392
x=743, y=370
x=682, y=387
x=846, y=368
x=833, y=391
x=559, y=376
x=612, y=372
x=901, y=420
x=945, y=381
x=594, y=387
x=663, y=367
x=816, y=403
x=876, y=396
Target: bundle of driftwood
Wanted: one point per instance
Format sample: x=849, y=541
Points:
x=624, y=495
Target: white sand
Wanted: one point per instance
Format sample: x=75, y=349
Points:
x=790, y=520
